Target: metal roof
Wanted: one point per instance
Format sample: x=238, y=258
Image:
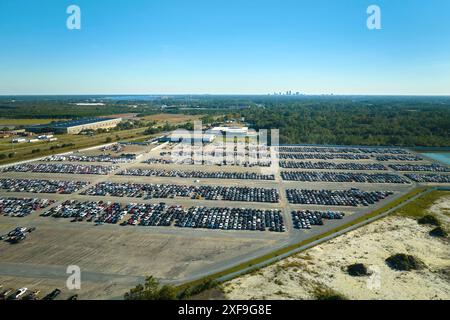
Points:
x=72, y=123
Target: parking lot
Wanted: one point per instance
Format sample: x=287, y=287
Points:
x=381, y=178
x=429, y=178
x=162, y=191
x=305, y=219
x=348, y=198
x=42, y=186
x=196, y=174
x=421, y=168
x=22, y=207
x=133, y=218
x=332, y=166
x=62, y=168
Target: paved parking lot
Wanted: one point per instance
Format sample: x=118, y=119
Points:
x=214, y=198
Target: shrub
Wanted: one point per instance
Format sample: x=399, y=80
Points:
x=194, y=290
x=438, y=232
x=357, y=270
x=151, y=290
x=2, y=156
x=328, y=294
x=429, y=219
x=403, y=262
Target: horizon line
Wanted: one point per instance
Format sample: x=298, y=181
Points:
x=225, y=94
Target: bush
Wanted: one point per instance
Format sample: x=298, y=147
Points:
x=2, y=156
x=328, y=294
x=438, y=232
x=194, y=290
x=429, y=219
x=403, y=262
x=108, y=140
x=151, y=290
x=357, y=270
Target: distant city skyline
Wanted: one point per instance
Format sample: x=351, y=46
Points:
x=231, y=47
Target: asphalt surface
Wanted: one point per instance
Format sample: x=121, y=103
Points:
x=291, y=237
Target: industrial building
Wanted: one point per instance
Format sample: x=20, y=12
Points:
x=76, y=126
x=233, y=132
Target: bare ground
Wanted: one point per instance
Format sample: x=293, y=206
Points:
x=325, y=266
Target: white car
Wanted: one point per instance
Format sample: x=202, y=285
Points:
x=19, y=293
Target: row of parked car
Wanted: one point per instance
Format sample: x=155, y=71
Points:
x=323, y=156
x=42, y=186
x=429, y=178
x=25, y=294
x=162, y=215
x=62, y=168
x=91, y=211
x=407, y=157
x=196, y=174
x=300, y=149
x=422, y=167
x=17, y=235
x=247, y=163
x=150, y=215
x=161, y=191
x=342, y=177
x=323, y=165
x=231, y=219
x=21, y=207
x=124, y=158
x=304, y=219
x=351, y=197
x=218, y=153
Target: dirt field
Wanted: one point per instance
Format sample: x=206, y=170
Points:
x=324, y=266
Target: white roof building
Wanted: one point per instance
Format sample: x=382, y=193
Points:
x=233, y=131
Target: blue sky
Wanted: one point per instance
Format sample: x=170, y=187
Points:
x=225, y=47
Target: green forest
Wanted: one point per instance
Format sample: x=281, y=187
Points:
x=355, y=124
x=336, y=120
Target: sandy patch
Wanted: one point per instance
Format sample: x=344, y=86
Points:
x=441, y=209
x=325, y=266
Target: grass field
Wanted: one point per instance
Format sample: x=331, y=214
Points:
x=418, y=208
x=25, y=151
x=25, y=122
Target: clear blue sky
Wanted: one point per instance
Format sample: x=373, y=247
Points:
x=225, y=46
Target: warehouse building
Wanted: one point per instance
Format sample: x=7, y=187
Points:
x=76, y=126
x=239, y=132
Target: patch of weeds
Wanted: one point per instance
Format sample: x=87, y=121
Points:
x=403, y=262
x=430, y=220
x=278, y=282
x=323, y=293
x=357, y=270
x=438, y=232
